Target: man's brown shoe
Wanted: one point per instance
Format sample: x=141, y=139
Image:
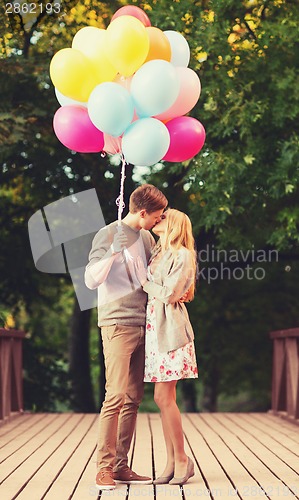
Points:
x=130, y=477
x=104, y=479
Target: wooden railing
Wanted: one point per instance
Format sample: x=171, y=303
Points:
x=285, y=373
x=11, y=368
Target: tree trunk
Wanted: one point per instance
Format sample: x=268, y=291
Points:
x=211, y=389
x=189, y=396
x=82, y=397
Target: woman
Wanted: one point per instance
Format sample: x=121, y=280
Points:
x=169, y=346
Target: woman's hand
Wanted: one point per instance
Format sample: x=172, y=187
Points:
x=140, y=270
x=185, y=297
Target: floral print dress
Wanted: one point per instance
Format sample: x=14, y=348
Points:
x=165, y=366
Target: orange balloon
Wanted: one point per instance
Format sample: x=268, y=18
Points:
x=159, y=45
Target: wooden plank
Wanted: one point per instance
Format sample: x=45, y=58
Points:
x=159, y=459
x=142, y=458
x=240, y=478
x=235, y=455
x=85, y=487
x=14, y=415
x=18, y=450
x=257, y=459
x=196, y=486
x=291, y=332
x=277, y=436
x=281, y=425
x=282, y=462
x=291, y=345
x=121, y=491
x=284, y=416
x=279, y=382
x=22, y=466
x=12, y=429
x=25, y=433
x=65, y=484
x=57, y=477
x=142, y=451
x=159, y=449
x=215, y=480
x=15, y=421
x=5, y=377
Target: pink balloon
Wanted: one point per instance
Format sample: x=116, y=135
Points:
x=132, y=10
x=187, y=137
x=112, y=145
x=75, y=130
x=188, y=95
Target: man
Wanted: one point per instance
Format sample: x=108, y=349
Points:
x=121, y=316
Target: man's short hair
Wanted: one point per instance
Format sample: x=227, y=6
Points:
x=147, y=197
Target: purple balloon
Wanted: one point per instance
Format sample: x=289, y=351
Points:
x=187, y=137
x=75, y=130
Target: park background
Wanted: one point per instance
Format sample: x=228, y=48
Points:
x=241, y=192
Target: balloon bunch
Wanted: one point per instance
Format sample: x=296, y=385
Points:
x=127, y=89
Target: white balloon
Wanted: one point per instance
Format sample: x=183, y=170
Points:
x=154, y=88
x=67, y=101
x=145, y=142
x=110, y=108
x=180, y=51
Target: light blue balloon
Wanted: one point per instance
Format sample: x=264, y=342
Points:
x=154, y=87
x=145, y=142
x=111, y=108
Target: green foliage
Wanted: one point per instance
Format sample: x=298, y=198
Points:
x=244, y=183
x=233, y=318
x=46, y=381
x=47, y=384
x=250, y=109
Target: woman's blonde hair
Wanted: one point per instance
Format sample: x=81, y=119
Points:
x=179, y=234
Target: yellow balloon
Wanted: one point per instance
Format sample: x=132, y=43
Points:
x=127, y=44
x=72, y=74
x=91, y=42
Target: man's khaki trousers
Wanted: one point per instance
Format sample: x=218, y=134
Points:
x=123, y=348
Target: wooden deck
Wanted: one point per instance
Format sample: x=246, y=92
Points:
x=52, y=456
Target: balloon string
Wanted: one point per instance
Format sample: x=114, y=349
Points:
x=120, y=199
